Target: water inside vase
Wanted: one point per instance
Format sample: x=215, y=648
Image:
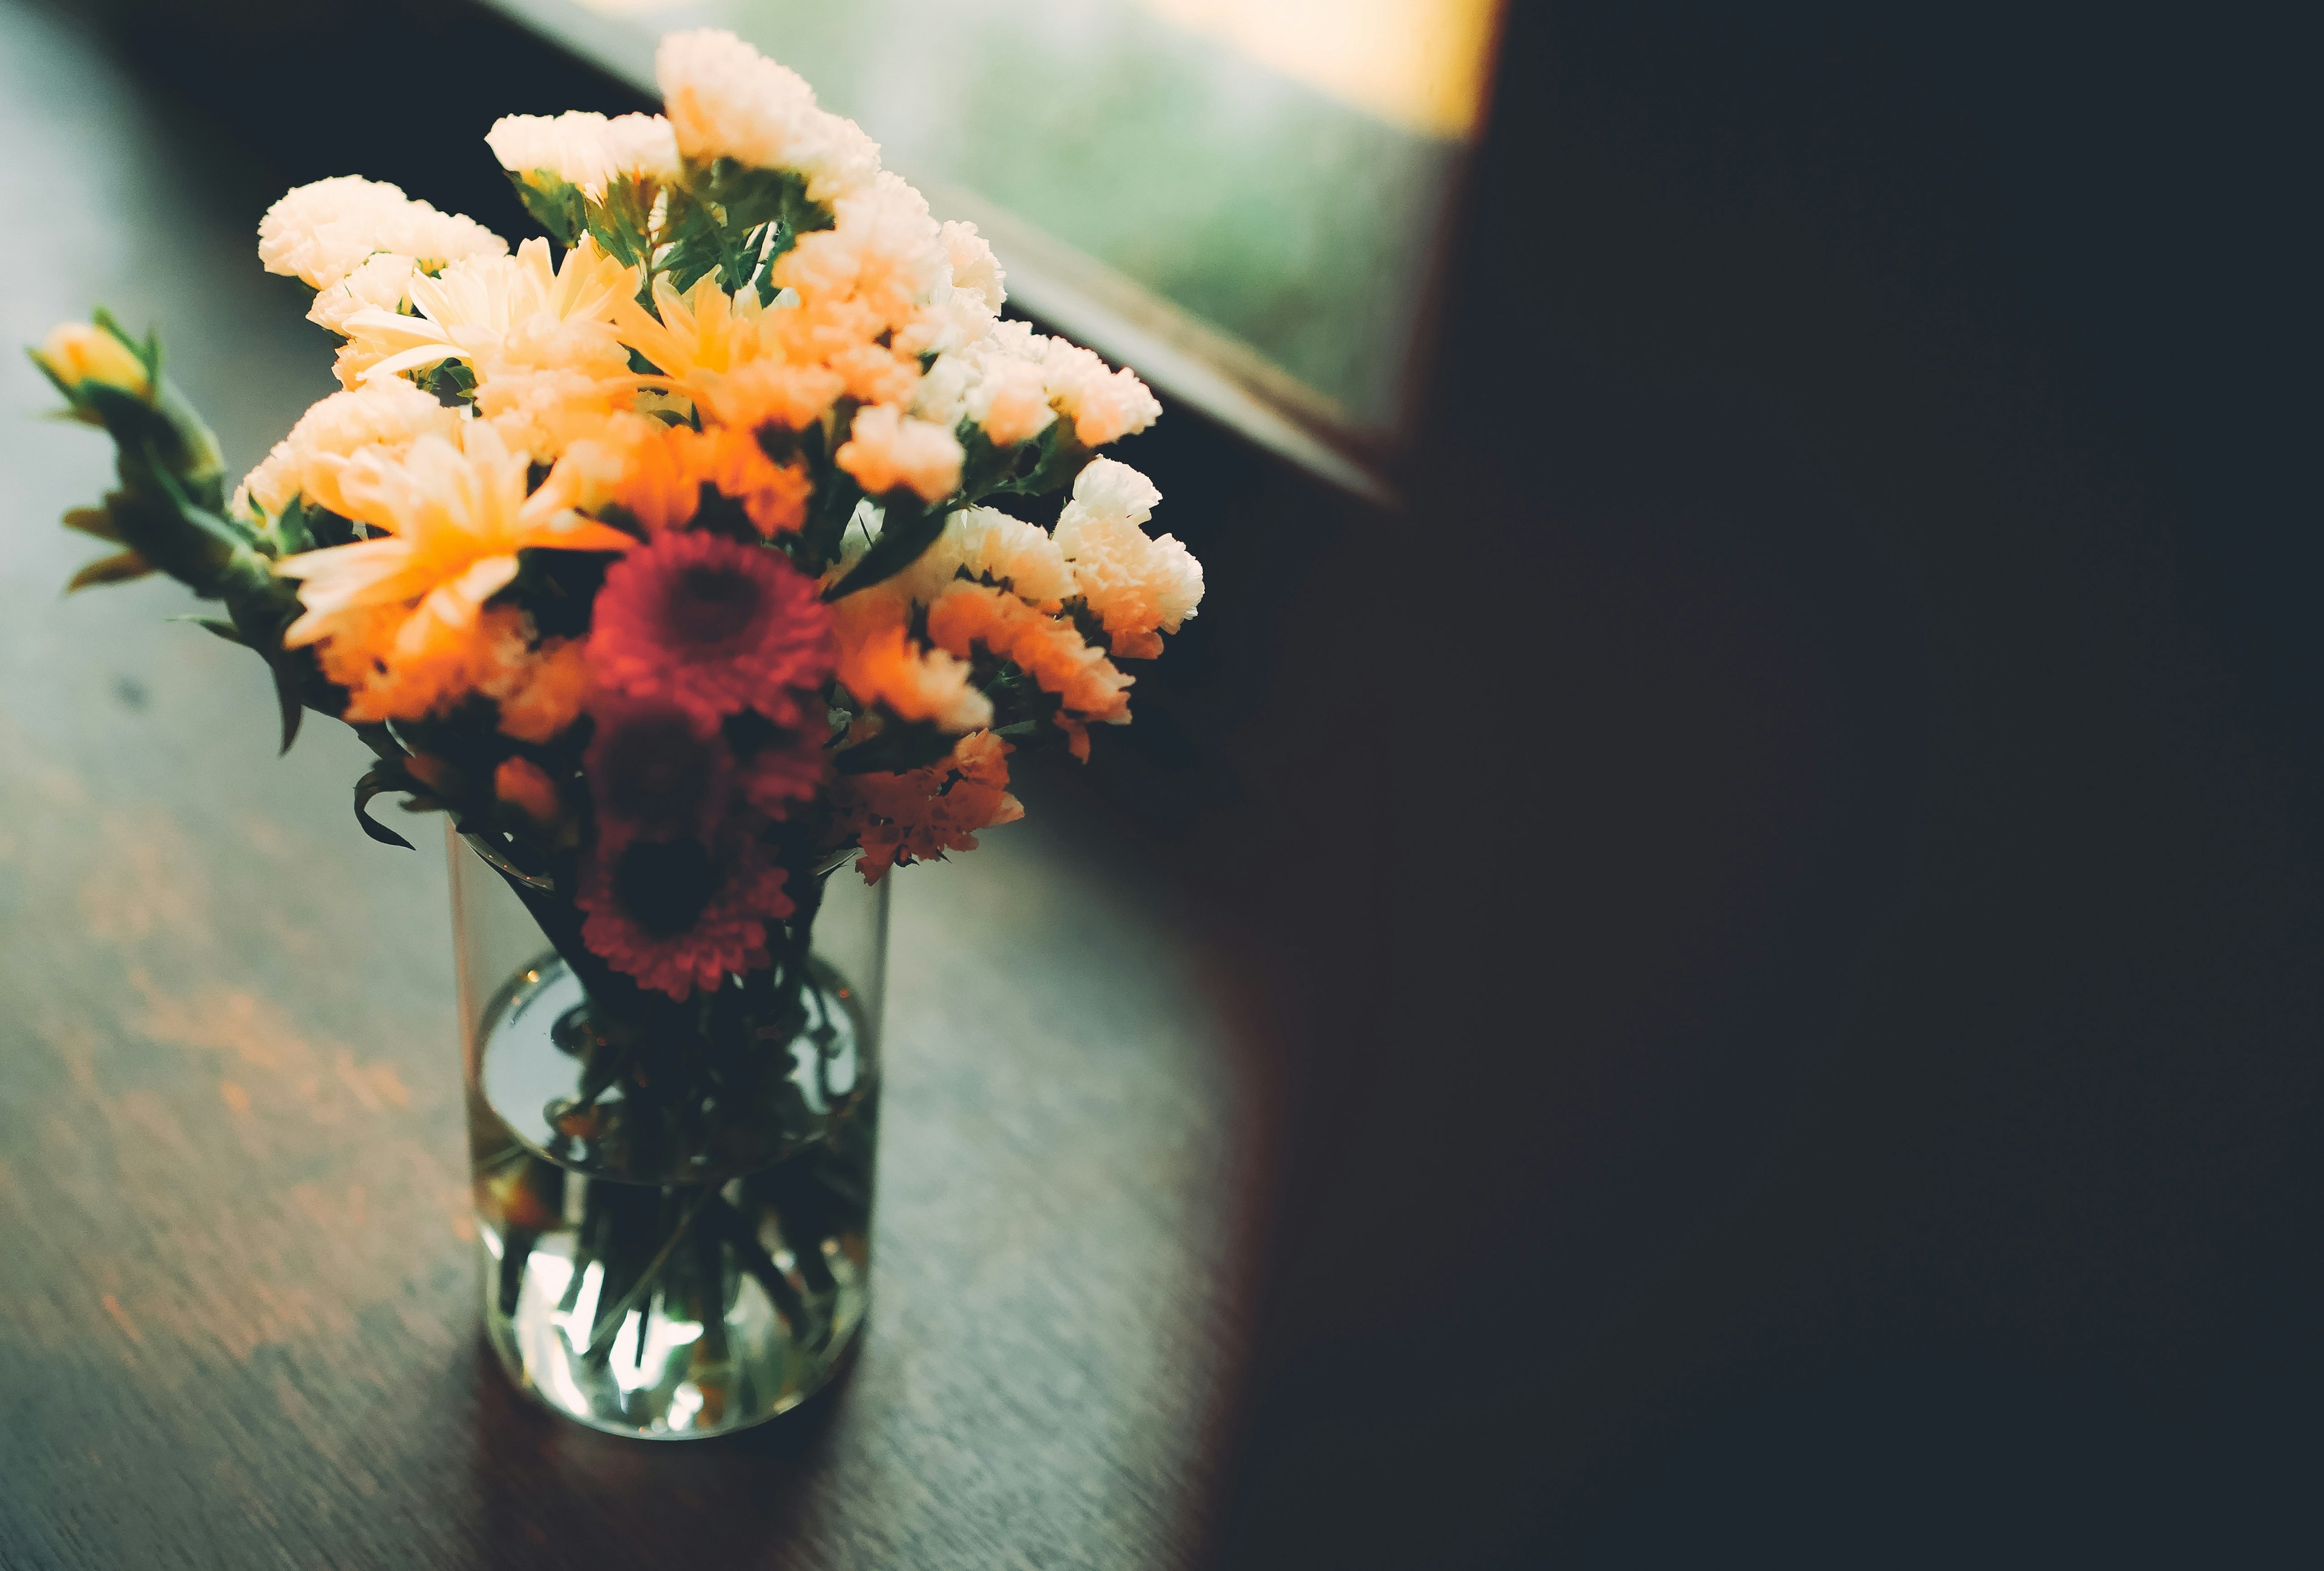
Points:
x=704, y=1281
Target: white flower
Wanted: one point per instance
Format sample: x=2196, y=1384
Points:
x=585, y=149
x=727, y=100
x=942, y=395
x=1011, y=402
x=1104, y=406
x=310, y=461
x=1111, y=489
x=887, y=450
x=1136, y=586
x=322, y=232
x=483, y=305
x=986, y=543
x=974, y=268
x=382, y=284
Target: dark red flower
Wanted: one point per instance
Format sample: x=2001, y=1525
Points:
x=657, y=770
x=681, y=914
x=713, y=625
x=783, y=767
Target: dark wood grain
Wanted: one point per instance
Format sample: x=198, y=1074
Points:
x=237, y=1294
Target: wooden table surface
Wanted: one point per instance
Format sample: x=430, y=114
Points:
x=238, y=1317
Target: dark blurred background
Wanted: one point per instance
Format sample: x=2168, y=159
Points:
x=1761, y=811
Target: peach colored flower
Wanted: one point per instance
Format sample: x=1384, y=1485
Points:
x=1047, y=648
x=878, y=663
x=525, y=786
x=920, y=814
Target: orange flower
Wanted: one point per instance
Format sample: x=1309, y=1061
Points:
x=525, y=786
x=774, y=494
x=768, y=391
x=635, y=463
x=540, y=684
x=920, y=814
x=1047, y=648
x=879, y=664
x=399, y=615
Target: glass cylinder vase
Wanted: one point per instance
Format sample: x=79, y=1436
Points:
x=673, y=1202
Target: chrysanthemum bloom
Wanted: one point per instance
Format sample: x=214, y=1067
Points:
x=786, y=768
x=680, y=914
x=714, y=625
x=1139, y=588
x=1011, y=402
x=920, y=814
x=884, y=250
x=655, y=770
x=703, y=332
x=457, y=516
x=768, y=391
x=1103, y=405
x=473, y=310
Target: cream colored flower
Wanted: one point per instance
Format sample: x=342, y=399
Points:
x=384, y=283
x=585, y=149
x=1136, y=586
x=974, y=268
x=545, y=412
x=703, y=330
x=1104, y=406
x=1011, y=400
x=986, y=544
x=884, y=249
x=322, y=232
x=388, y=414
x=455, y=514
x=482, y=307
x=727, y=100
x=887, y=450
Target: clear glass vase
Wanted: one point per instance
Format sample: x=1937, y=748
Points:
x=674, y=1203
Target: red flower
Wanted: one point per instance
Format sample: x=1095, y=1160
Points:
x=714, y=625
x=657, y=770
x=680, y=914
x=786, y=767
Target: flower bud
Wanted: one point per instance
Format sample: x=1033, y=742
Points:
x=78, y=352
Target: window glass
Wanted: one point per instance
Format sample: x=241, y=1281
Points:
x=1276, y=168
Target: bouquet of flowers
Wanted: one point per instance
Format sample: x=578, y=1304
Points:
x=667, y=556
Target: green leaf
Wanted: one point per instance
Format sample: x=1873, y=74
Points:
x=218, y=627
x=118, y=568
x=286, y=699
x=379, y=778
x=903, y=746
x=557, y=204
x=902, y=539
x=291, y=530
